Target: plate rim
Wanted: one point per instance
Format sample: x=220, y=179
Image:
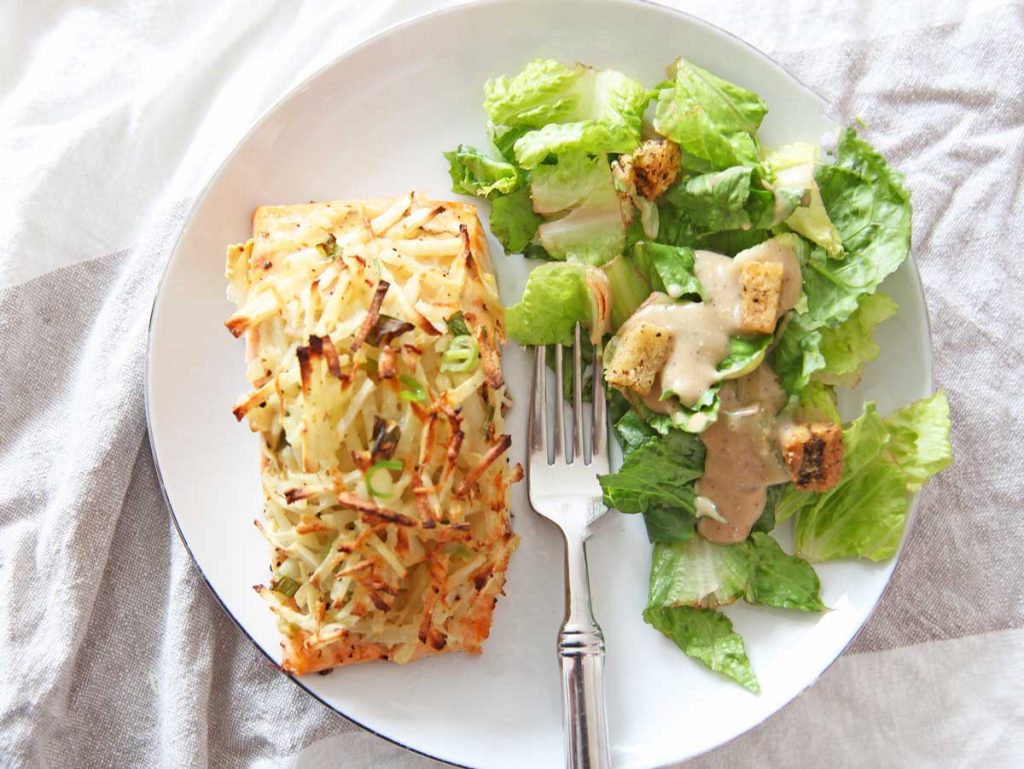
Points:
x=459, y=6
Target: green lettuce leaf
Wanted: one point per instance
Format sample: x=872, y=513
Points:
x=629, y=288
x=550, y=108
x=848, y=346
x=698, y=573
x=920, y=439
x=668, y=269
x=867, y=202
x=729, y=243
x=832, y=354
x=559, y=186
x=714, y=202
x=513, y=220
x=631, y=429
x=555, y=299
x=793, y=167
x=593, y=232
x=870, y=208
x=691, y=419
x=745, y=355
x=584, y=136
x=649, y=267
x=712, y=120
x=766, y=521
x=707, y=636
x=779, y=579
x=818, y=404
x=473, y=173
x=656, y=479
x=865, y=515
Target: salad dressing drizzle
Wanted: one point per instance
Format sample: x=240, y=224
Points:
x=700, y=331
x=741, y=461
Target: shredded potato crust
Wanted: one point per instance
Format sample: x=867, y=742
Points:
x=385, y=477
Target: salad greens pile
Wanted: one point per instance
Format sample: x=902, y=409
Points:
x=560, y=135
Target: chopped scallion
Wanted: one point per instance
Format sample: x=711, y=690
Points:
x=284, y=585
x=457, y=325
x=462, y=355
x=411, y=389
x=384, y=464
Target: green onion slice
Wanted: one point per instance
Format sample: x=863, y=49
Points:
x=286, y=585
x=412, y=390
x=384, y=464
x=462, y=355
x=457, y=324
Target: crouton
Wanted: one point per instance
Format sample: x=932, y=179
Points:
x=640, y=352
x=652, y=168
x=761, y=288
x=813, y=454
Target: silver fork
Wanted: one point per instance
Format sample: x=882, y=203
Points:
x=565, y=490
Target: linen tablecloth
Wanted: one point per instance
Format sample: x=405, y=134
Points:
x=112, y=116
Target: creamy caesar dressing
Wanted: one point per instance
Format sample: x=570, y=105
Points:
x=741, y=461
x=699, y=342
x=700, y=331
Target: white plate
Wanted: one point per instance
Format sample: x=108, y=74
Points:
x=373, y=123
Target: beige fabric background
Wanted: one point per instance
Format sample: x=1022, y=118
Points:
x=112, y=115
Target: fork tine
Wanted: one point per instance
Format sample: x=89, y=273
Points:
x=577, y=398
x=600, y=428
x=538, y=428
x=559, y=437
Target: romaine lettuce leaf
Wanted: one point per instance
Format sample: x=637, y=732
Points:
x=657, y=477
x=714, y=202
x=793, y=167
x=712, y=120
x=473, y=173
x=733, y=199
x=730, y=242
x=691, y=419
x=513, y=220
x=546, y=91
x=818, y=404
x=649, y=267
x=869, y=206
x=593, y=232
x=848, y=346
x=766, y=521
x=706, y=575
x=920, y=439
x=557, y=187
x=779, y=579
x=550, y=108
x=629, y=289
x=865, y=515
x=581, y=137
x=833, y=355
x=707, y=636
x=698, y=573
x=745, y=355
x=668, y=269
x=556, y=298
x=631, y=429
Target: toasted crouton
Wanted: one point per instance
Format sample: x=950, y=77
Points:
x=640, y=352
x=761, y=288
x=813, y=454
x=652, y=168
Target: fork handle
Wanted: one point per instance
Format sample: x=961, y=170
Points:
x=581, y=653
